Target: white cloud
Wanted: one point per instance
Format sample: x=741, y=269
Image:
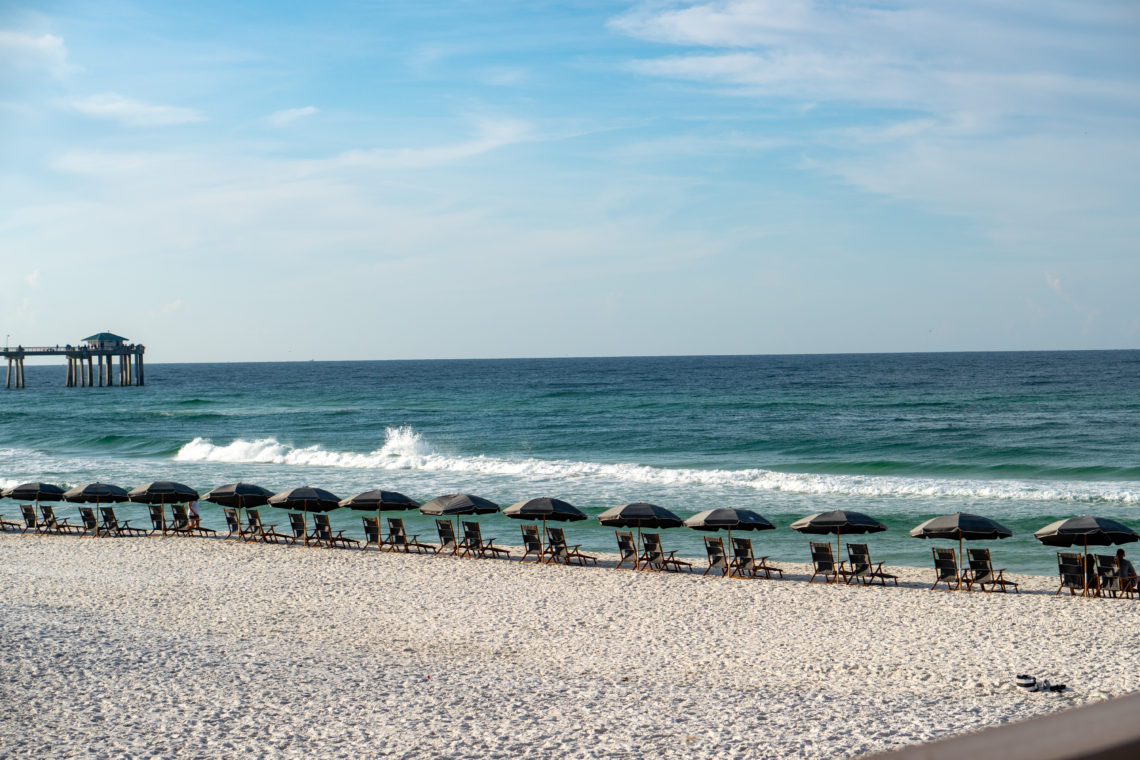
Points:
x=134, y=113
x=289, y=115
x=170, y=307
x=1020, y=115
x=33, y=279
x=491, y=135
x=18, y=50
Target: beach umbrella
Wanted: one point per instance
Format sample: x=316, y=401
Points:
x=238, y=495
x=380, y=500
x=838, y=521
x=544, y=508
x=961, y=526
x=304, y=500
x=1086, y=530
x=162, y=492
x=730, y=519
x=36, y=492
x=459, y=504
x=638, y=514
x=97, y=493
x=455, y=504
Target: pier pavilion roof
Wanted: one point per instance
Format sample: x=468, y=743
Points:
x=106, y=337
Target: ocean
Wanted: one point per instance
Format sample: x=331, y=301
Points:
x=1025, y=438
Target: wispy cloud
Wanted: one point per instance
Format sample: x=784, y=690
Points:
x=134, y=113
x=33, y=279
x=24, y=51
x=492, y=134
x=290, y=115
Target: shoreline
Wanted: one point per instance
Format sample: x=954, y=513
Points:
x=206, y=648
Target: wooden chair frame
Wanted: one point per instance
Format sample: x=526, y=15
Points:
x=864, y=569
x=560, y=551
x=945, y=568
x=718, y=560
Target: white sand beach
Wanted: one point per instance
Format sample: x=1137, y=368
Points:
x=206, y=648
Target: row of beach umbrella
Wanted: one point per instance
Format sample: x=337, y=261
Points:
x=1082, y=531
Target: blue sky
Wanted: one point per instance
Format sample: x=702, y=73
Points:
x=275, y=181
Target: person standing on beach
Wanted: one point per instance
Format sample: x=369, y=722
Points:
x=1127, y=571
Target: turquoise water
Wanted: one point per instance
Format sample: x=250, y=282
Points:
x=1025, y=438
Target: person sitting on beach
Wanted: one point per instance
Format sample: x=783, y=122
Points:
x=1127, y=571
x=193, y=517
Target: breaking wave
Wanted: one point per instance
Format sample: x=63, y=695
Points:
x=405, y=449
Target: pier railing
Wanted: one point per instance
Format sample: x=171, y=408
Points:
x=87, y=366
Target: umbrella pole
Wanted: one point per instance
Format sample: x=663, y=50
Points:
x=379, y=535
x=1085, y=569
x=959, y=557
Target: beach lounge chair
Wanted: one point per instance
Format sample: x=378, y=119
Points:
x=559, y=551
x=654, y=556
x=233, y=522
x=447, y=542
x=398, y=539
x=981, y=572
x=182, y=522
x=299, y=526
x=113, y=527
x=627, y=549
x=323, y=530
x=746, y=565
x=371, y=532
x=823, y=563
x=1070, y=567
x=257, y=531
x=49, y=523
x=474, y=545
x=31, y=521
x=7, y=524
x=1108, y=579
x=157, y=519
x=714, y=548
x=945, y=569
x=89, y=523
x=532, y=544
x=863, y=569
x=179, y=521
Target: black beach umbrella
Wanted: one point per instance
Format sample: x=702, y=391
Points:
x=1085, y=531
x=459, y=504
x=544, y=508
x=838, y=521
x=163, y=492
x=455, y=504
x=239, y=495
x=727, y=518
x=961, y=526
x=638, y=514
x=97, y=493
x=304, y=500
x=36, y=492
x=379, y=500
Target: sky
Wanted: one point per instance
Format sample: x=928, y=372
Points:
x=397, y=180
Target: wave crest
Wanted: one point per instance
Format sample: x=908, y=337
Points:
x=405, y=449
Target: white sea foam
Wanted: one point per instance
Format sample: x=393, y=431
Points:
x=405, y=449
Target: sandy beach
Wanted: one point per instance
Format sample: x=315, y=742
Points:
x=206, y=648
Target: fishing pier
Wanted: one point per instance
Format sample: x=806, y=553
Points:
x=89, y=365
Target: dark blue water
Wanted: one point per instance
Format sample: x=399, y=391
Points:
x=1022, y=437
